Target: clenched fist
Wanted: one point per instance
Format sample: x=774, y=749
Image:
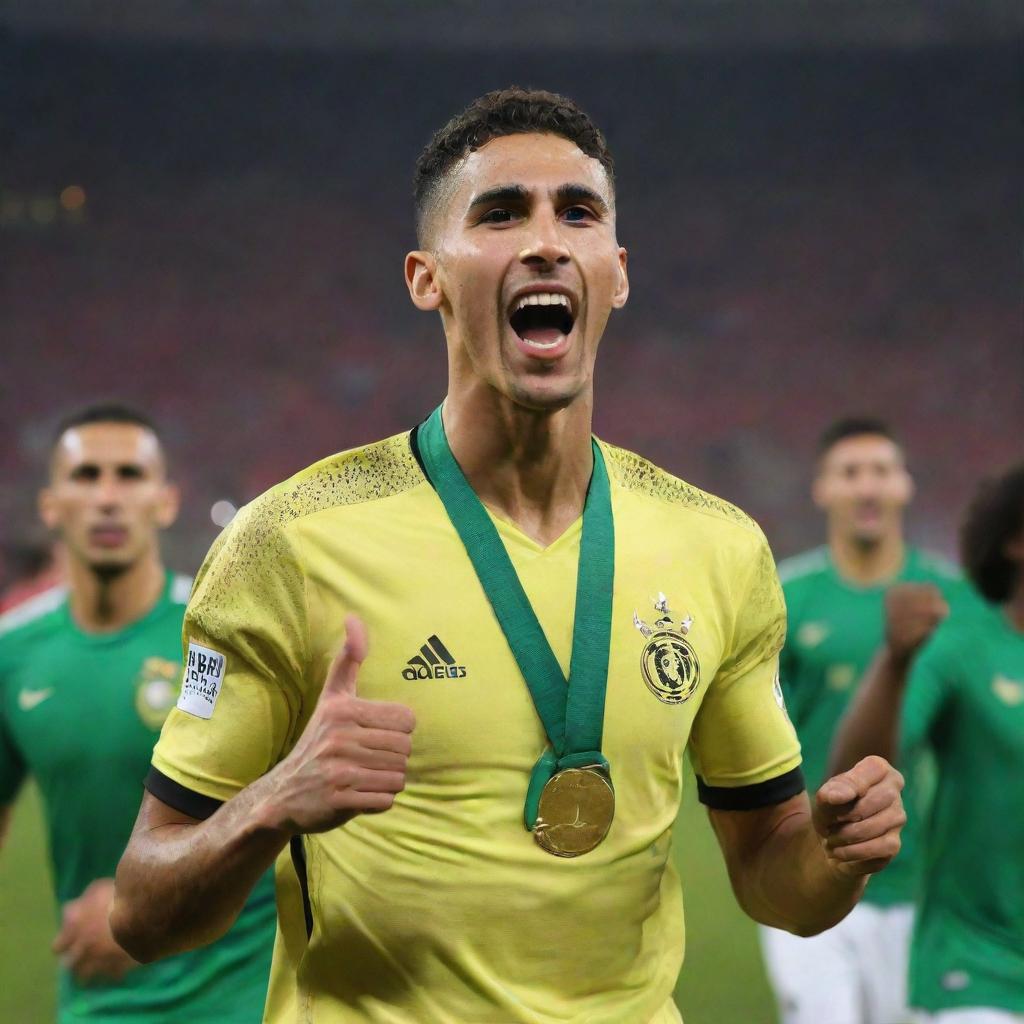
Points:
x=84, y=943
x=351, y=757
x=912, y=611
x=859, y=815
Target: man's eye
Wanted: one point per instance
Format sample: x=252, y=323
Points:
x=496, y=217
x=577, y=214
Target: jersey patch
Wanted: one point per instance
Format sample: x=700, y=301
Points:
x=668, y=663
x=200, y=686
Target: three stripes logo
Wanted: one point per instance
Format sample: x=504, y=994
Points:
x=434, y=661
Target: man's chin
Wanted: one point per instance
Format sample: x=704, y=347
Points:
x=110, y=566
x=545, y=395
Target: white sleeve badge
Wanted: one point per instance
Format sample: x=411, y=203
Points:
x=200, y=685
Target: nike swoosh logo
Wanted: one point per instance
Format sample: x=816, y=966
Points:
x=28, y=699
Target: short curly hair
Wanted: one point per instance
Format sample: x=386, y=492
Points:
x=993, y=519
x=511, y=111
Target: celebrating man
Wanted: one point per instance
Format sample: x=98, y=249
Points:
x=526, y=588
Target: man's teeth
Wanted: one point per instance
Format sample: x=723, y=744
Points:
x=543, y=299
x=543, y=344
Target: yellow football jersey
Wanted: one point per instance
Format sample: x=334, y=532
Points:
x=444, y=910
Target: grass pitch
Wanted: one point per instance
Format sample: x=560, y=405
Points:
x=722, y=981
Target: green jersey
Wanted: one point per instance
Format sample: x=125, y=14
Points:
x=81, y=712
x=965, y=700
x=834, y=630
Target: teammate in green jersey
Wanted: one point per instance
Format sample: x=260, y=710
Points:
x=962, y=696
x=87, y=675
x=856, y=972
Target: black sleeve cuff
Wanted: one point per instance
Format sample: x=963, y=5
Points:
x=750, y=798
x=175, y=795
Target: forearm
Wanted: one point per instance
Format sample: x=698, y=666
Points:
x=787, y=881
x=871, y=725
x=182, y=883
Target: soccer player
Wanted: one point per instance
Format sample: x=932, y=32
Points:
x=87, y=676
x=854, y=973
x=555, y=617
x=962, y=697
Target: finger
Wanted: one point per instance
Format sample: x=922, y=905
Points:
x=880, y=848
x=341, y=676
x=379, y=760
x=386, y=740
x=853, y=832
x=865, y=867
x=369, y=781
x=356, y=800
x=867, y=772
x=877, y=799
x=62, y=941
x=383, y=715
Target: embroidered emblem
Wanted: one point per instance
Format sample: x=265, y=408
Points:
x=668, y=662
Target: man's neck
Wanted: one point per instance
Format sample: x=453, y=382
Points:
x=868, y=564
x=103, y=602
x=530, y=467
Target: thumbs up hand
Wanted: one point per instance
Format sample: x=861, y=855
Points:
x=352, y=755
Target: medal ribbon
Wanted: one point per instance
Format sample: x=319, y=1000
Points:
x=572, y=711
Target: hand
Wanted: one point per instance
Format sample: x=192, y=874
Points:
x=85, y=943
x=351, y=757
x=859, y=815
x=912, y=611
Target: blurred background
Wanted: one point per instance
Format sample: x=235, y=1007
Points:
x=204, y=209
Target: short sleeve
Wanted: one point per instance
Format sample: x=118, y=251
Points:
x=744, y=748
x=245, y=641
x=929, y=688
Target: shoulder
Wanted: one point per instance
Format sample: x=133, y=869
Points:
x=33, y=617
x=260, y=550
x=937, y=567
x=805, y=566
x=370, y=473
x=639, y=476
x=955, y=641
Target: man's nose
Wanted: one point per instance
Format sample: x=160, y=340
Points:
x=547, y=245
x=108, y=492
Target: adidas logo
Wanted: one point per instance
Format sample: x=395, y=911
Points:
x=433, y=662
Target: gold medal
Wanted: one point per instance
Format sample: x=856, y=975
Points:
x=576, y=810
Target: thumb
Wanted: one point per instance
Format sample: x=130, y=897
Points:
x=837, y=792
x=341, y=676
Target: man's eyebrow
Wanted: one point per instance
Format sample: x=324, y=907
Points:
x=574, y=193
x=499, y=194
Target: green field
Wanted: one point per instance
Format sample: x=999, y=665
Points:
x=722, y=982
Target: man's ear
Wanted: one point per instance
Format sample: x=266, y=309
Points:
x=421, y=280
x=170, y=503
x=622, y=291
x=46, y=505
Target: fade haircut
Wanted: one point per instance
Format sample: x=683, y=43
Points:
x=103, y=412
x=511, y=111
x=853, y=426
x=993, y=519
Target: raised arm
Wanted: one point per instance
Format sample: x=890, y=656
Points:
x=182, y=881
x=871, y=725
x=803, y=870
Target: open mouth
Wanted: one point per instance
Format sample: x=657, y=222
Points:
x=542, y=319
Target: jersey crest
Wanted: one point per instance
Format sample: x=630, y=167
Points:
x=156, y=690
x=668, y=663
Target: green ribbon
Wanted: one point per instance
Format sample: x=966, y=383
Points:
x=572, y=711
